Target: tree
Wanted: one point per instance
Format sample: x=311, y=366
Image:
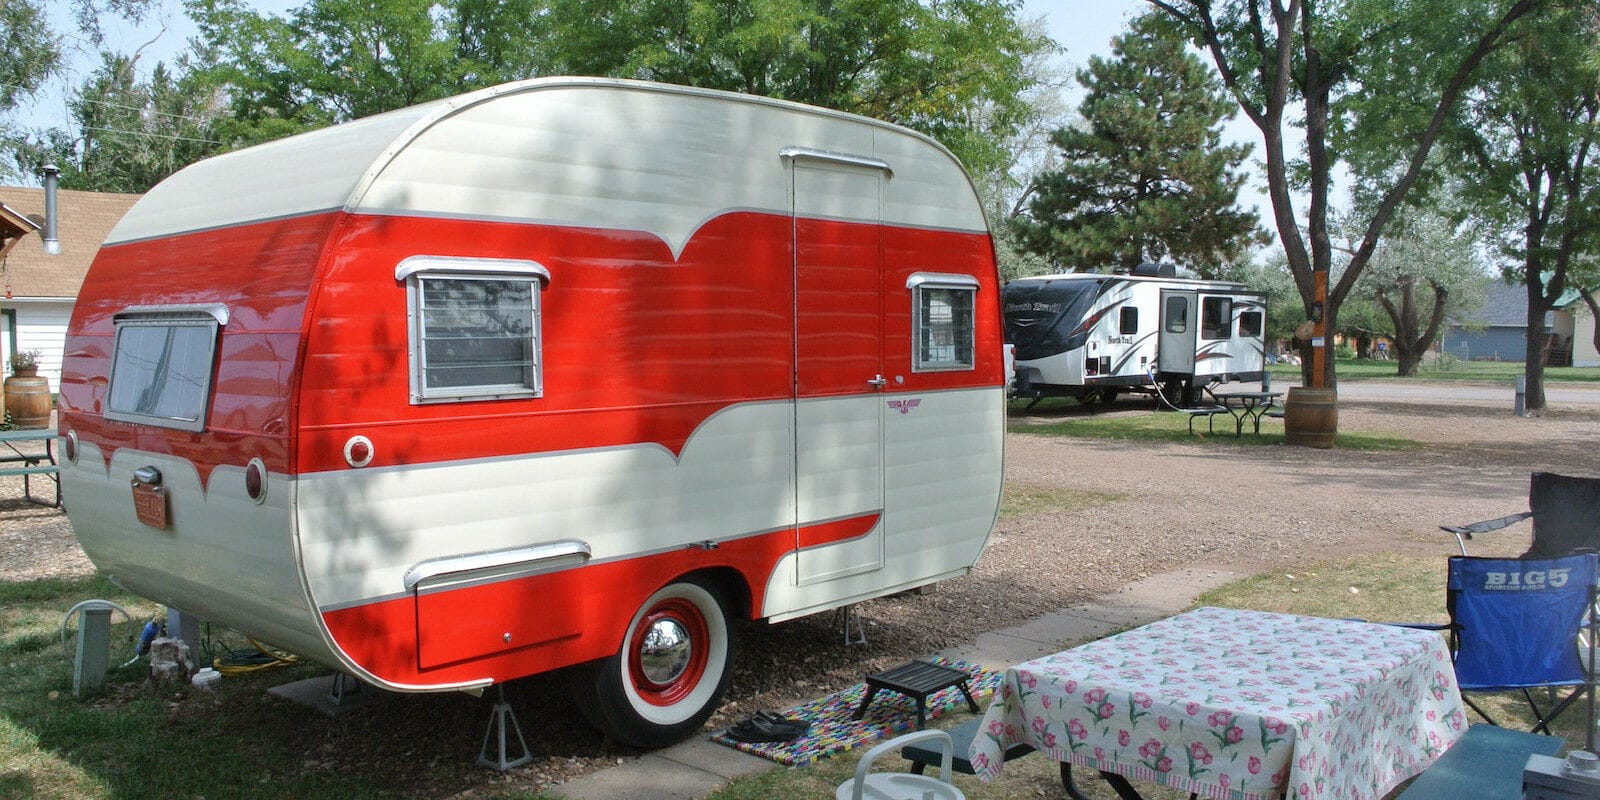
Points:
x=1526, y=142
x=1427, y=251
x=953, y=69
x=34, y=53
x=128, y=134
x=1146, y=176
x=1394, y=71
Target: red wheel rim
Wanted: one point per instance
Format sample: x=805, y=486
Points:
x=687, y=617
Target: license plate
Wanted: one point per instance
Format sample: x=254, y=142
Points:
x=150, y=503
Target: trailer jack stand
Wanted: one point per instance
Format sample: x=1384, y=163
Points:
x=343, y=687
x=855, y=632
x=503, y=725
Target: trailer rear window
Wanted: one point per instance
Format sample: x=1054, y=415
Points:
x=942, y=308
x=1216, y=318
x=162, y=363
x=474, y=328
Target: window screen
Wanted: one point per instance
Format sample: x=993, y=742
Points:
x=1129, y=321
x=1249, y=324
x=944, y=327
x=161, y=370
x=475, y=335
x=1216, y=318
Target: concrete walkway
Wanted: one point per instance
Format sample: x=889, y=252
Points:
x=698, y=767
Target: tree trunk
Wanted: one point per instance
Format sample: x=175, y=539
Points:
x=1533, y=360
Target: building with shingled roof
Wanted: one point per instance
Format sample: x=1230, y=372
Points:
x=37, y=289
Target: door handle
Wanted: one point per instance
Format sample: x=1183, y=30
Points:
x=878, y=382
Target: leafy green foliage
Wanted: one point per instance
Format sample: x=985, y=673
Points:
x=129, y=134
x=1146, y=177
x=1524, y=147
x=954, y=69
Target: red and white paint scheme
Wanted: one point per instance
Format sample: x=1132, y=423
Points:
x=561, y=372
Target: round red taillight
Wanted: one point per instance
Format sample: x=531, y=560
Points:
x=255, y=480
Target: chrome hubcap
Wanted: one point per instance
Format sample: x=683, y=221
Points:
x=665, y=652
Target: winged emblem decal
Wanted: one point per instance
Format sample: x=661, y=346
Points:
x=904, y=406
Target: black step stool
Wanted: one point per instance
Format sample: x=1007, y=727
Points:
x=916, y=680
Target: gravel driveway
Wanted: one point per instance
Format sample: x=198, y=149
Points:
x=1217, y=503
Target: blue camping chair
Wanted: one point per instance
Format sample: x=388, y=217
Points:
x=1515, y=624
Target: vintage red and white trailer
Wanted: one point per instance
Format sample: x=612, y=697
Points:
x=561, y=372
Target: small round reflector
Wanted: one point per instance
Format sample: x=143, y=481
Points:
x=358, y=451
x=70, y=447
x=255, y=480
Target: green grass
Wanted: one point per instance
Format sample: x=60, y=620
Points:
x=1018, y=500
x=1174, y=427
x=136, y=740
x=1449, y=370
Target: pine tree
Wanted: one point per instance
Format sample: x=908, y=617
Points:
x=1146, y=177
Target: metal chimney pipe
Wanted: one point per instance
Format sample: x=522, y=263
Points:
x=52, y=180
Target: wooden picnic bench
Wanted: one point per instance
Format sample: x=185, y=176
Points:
x=30, y=463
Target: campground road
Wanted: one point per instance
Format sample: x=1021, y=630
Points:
x=1474, y=393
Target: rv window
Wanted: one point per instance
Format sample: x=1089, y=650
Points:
x=161, y=370
x=475, y=336
x=1249, y=324
x=1216, y=318
x=1177, y=314
x=1130, y=320
x=943, y=327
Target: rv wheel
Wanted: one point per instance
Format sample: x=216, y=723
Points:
x=669, y=676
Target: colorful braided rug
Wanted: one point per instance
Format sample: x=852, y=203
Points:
x=833, y=731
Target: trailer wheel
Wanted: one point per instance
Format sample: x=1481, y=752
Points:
x=670, y=673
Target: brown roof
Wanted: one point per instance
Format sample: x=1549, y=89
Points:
x=85, y=219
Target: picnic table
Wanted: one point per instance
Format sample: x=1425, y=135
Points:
x=1246, y=406
x=1235, y=704
x=31, y=460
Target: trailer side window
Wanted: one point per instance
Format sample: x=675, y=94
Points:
x=1249, y=324
x=161, y=365
x=1216, y=318
x=1130, y=320
x=942, y=308
x=474, y=328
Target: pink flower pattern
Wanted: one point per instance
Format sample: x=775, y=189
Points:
x=1238, y=704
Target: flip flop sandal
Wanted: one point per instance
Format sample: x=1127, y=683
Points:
x=768, y=728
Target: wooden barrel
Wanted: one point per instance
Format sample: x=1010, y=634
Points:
x=1311, y=416
x=28, y=401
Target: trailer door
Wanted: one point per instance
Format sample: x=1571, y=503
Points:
x=839, y=369
x=1179, y=320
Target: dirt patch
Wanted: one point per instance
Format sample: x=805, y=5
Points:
x=1216, y=503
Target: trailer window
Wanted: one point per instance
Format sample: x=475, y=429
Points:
x=1216, y=318
x=161, y=366
x=1130, y=320
x=474, y=334
x=943, y=328
x=1249, y=324
x=1177, y=314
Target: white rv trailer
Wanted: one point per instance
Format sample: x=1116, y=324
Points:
x=1093, y=336
x=561, y=372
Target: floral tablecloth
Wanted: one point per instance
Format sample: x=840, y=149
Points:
x=1244, y=705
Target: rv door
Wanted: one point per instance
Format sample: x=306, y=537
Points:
x=1178, y=328
x=839, y=370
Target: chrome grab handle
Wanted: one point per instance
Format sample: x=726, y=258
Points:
x=878, y=382
x=149, y=476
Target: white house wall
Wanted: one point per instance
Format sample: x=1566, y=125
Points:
x=1583, y=351
x=42, y=326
